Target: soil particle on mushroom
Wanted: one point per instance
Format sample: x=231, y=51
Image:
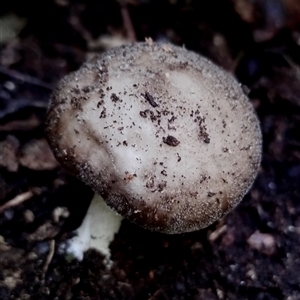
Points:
x=187, y=113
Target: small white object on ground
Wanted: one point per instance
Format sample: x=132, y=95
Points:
x=262, y=242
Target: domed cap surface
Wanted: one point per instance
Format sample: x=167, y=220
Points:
x=166, y=137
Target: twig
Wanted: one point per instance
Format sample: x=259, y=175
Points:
x=49, y=258
x=217, y=233
x=14, y=105
x=130, y=32
x=16, y=201
x=25, y=78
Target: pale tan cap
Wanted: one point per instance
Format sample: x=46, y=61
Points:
x=166, y=137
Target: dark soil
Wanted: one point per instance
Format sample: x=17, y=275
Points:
x=253, y=253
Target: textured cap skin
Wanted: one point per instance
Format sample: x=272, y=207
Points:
x=166, y=137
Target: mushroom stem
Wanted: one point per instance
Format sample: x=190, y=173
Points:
x=97, y=230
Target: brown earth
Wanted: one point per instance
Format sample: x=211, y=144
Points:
x=253, y=253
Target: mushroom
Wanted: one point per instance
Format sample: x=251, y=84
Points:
x=167, y=138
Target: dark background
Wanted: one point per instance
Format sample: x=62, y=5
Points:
x=253, y=253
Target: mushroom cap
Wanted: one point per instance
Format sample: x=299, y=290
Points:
x=167, y=138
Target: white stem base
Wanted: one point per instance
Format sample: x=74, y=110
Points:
x=97, y=230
